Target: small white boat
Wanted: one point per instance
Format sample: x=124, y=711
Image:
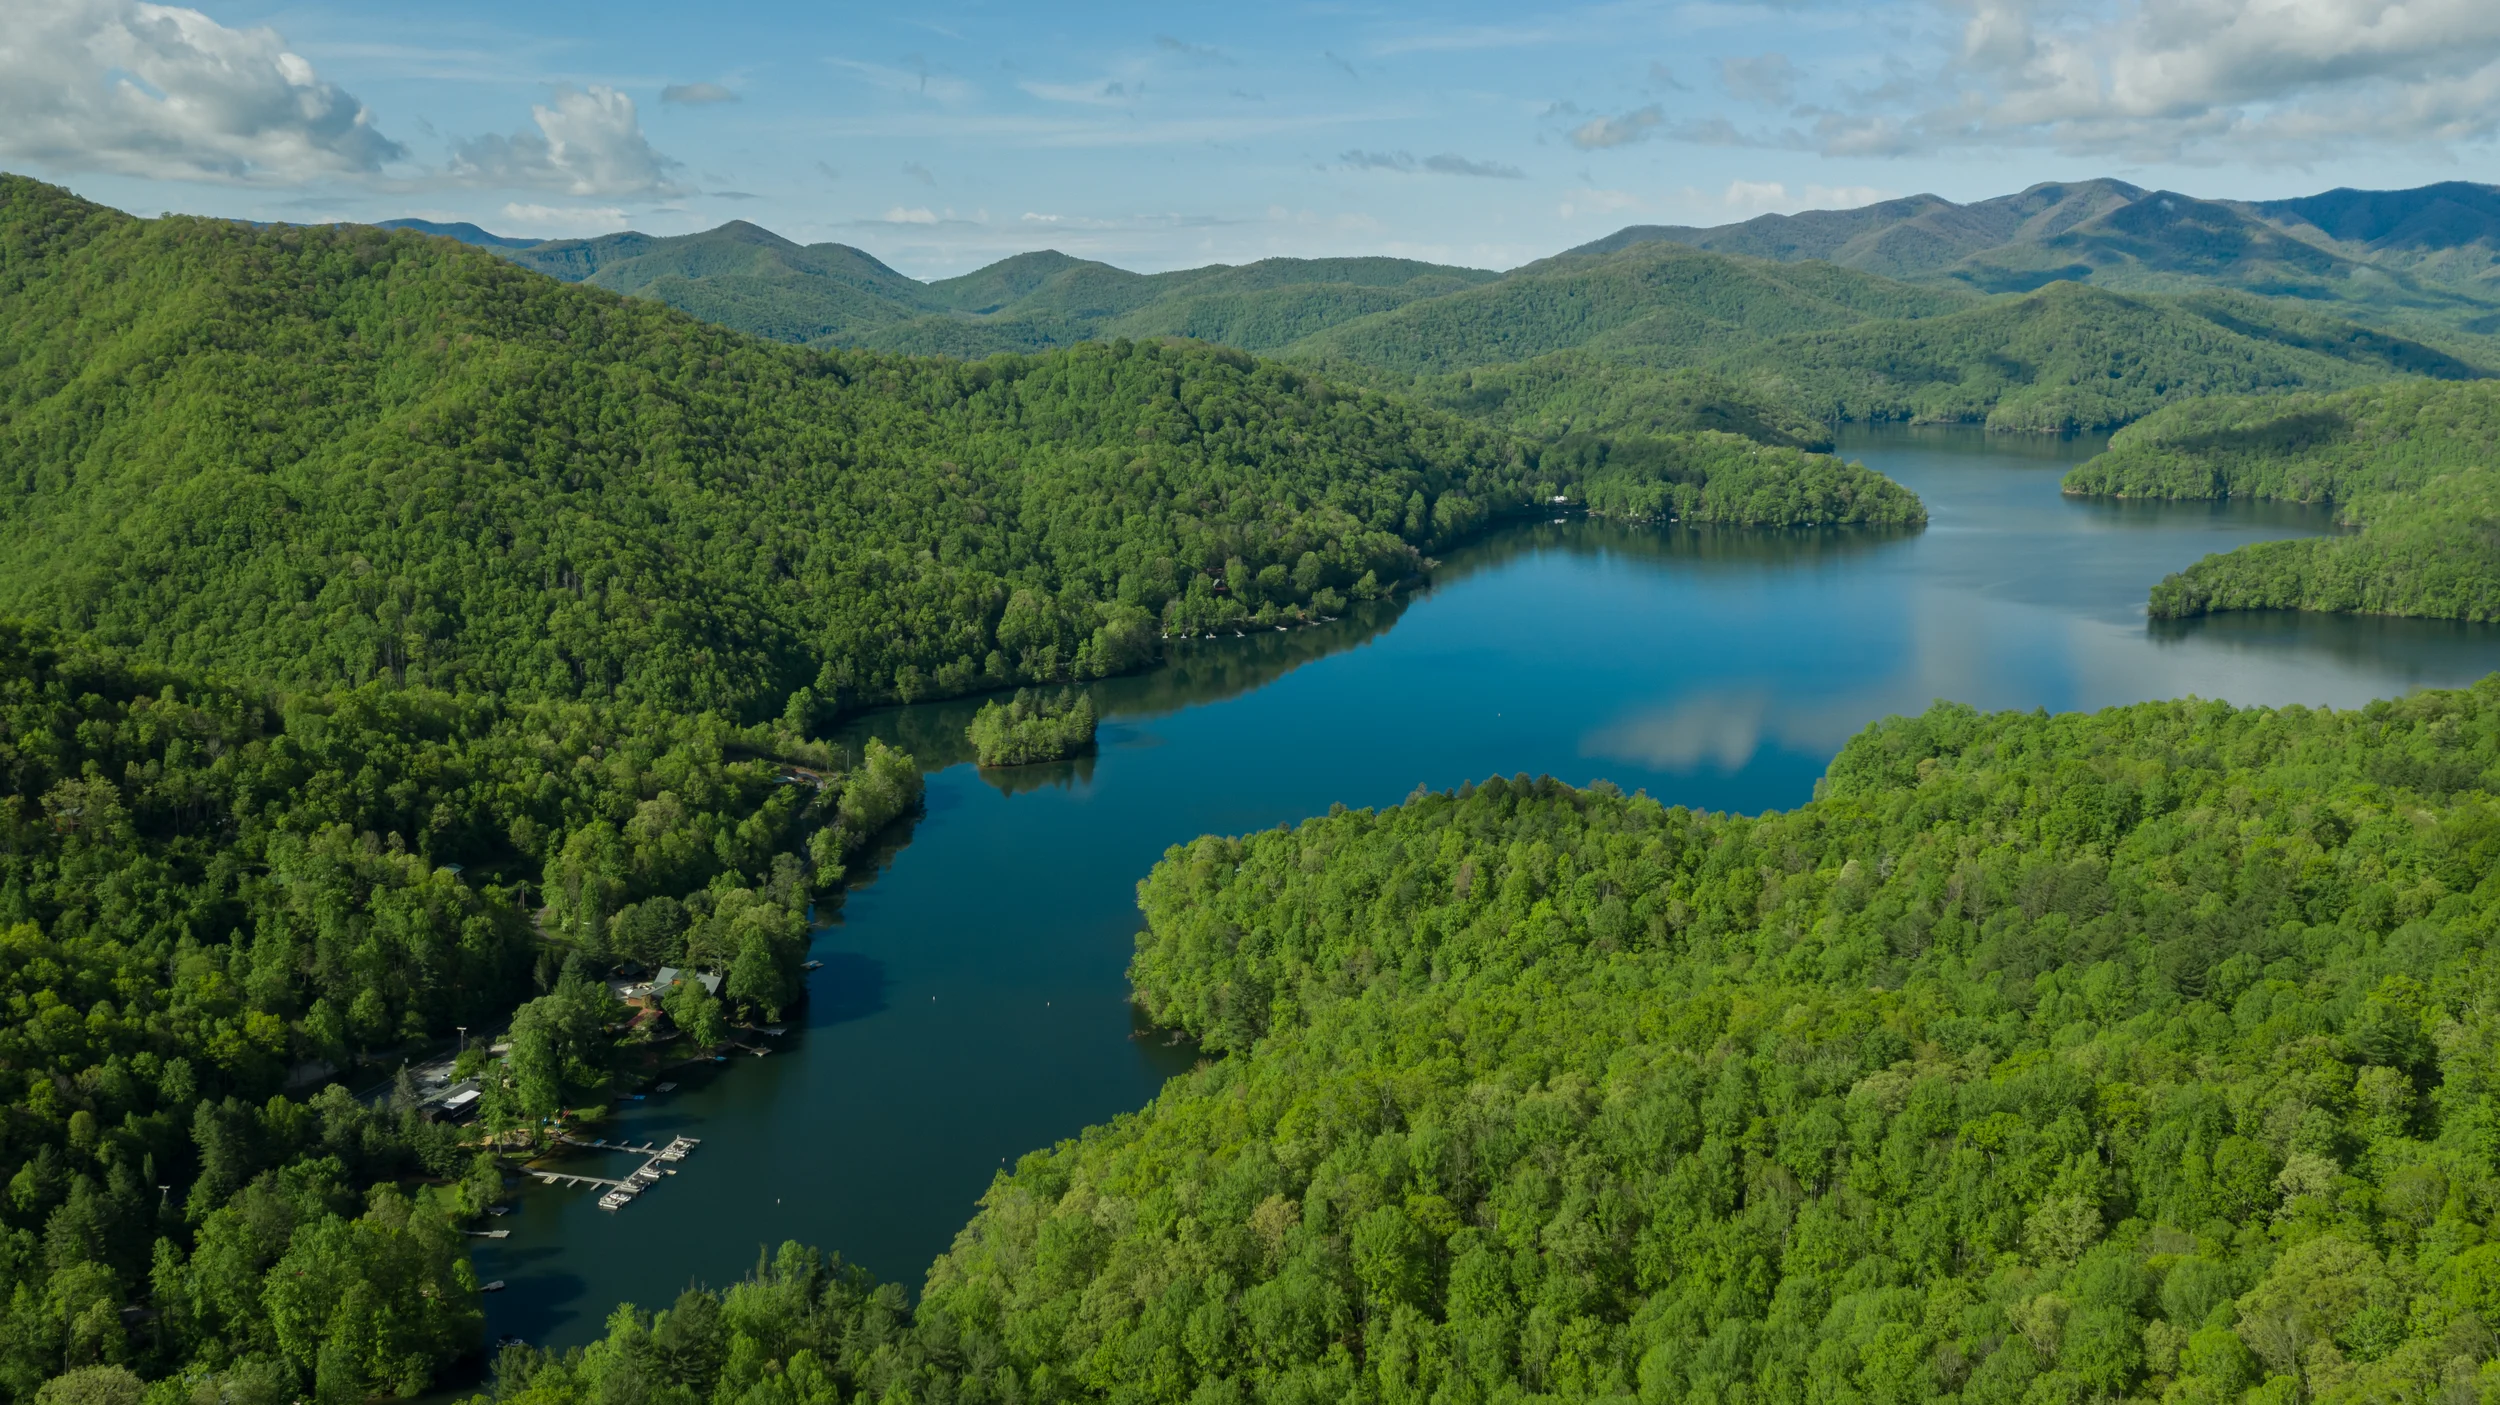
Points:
x=494, y=1287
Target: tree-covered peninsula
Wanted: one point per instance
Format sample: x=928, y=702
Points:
x=2143, y=1055
x=1712, y=478
x=2414, y=464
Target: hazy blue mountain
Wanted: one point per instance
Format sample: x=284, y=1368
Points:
x=463, y=231
x=2430, y=253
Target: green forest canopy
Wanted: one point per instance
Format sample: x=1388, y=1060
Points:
x=211, y=895
x=325, y=455
x=2147, y=1054
x=2416, y=464
x=319, y=456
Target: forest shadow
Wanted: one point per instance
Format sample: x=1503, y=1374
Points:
x=1703, y=551
x=1194, y=672
x=2350, y=640
x=849, y=987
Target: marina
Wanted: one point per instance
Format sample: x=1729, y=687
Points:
x=620, y=1193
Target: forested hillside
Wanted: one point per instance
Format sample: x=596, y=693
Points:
x=321, y=456
x=2416, y=465
x=1574, y=392
x=211, y=895
x=1658, y=304
x=2145, y=1055
x=1796, y=342
x=743, y=277
x=2072, y=358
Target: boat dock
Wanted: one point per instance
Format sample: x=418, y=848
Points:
x=596, y=1144
x=621, y=1193
x=568, y=1178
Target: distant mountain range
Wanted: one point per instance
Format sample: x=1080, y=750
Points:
x=2432, y=251
x=1914, y=308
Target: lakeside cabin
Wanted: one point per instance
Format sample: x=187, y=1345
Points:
x=649, y=993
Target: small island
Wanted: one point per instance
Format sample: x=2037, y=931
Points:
x=1033, y=727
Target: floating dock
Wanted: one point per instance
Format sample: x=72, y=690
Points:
x=621, y=1193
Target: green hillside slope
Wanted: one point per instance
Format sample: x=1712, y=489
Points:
x=1660, y=304
x=743, y=277
x=2071, y=357
x=327, y=455
x=1574, y=392
x=1918, y=236
x=2143, y=1055
x=2416, y=465
x=1048, y=299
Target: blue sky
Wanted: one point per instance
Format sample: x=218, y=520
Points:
x=941, y=136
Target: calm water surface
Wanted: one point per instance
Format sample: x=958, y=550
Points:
x=972, y=1005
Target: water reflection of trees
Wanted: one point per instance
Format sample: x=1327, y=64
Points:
x=1194, y=672
x=1198, y=672
x=1698, y=550
x=1964, y=440
x=2437, y=651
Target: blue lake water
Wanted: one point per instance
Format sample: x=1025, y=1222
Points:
x=972, y=1005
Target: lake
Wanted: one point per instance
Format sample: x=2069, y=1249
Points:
x=972, y=1005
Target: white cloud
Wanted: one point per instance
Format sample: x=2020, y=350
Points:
x=2276, y=80
x=1599, y=133
x=696, y=94
x=161, y=91
x=588, y=143
x=919, y=215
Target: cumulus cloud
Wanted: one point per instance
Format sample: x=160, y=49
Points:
x=2289, y=80
x=1599, y=133
x=588, y=143
x=1445, y=164
x=696, y=94
x=1767, y=78
x=167, y=92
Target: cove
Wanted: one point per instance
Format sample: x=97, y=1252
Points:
x=972, y=1006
